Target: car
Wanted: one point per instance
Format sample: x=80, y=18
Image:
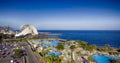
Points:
x=12, y=56
x=3, y=53
x=0, y=55
x=5, y=48
x=14, y=61
x=8, y=53
x=11, y=61
x=3, y=56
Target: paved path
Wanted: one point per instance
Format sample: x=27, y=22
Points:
x=31, y=58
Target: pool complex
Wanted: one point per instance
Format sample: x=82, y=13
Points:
x=103, y=58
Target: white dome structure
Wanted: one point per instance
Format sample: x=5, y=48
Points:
x=27, y=29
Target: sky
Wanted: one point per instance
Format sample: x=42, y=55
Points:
x=61, y=14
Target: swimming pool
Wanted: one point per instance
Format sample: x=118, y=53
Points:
x=52, y=43
x=54, y=53
x=103, y=58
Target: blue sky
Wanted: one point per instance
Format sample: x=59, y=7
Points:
x=61, y=14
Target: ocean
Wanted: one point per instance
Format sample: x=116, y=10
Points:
x=97, y=37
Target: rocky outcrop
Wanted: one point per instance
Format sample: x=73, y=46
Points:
x=27, y=29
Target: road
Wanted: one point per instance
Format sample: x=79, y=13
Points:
x=31, y=58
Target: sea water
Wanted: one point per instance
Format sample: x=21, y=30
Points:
x=98, y=37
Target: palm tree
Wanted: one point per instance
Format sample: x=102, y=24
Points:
x=72, y=47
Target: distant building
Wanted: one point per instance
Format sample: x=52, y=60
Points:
x=6, y=30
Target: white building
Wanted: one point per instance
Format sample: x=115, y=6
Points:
x=27, y=29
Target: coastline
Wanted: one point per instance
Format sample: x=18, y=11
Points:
x=99, y=37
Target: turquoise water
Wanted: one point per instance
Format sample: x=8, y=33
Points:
x=52, y=43
x=54, y=53
x=103, y=58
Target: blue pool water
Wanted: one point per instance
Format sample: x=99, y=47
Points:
x=103, y=59
x=52, y=43
x=100, y=38
x=54, y=53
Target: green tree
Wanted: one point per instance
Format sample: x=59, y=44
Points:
x=17, y=52
x=91, y=48
x=60, y=47
x=94, y=46
x=53, y=59
x=90, y=59
x=23, y=40
x=82, y=44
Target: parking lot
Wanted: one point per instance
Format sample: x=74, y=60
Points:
x=6, y=54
